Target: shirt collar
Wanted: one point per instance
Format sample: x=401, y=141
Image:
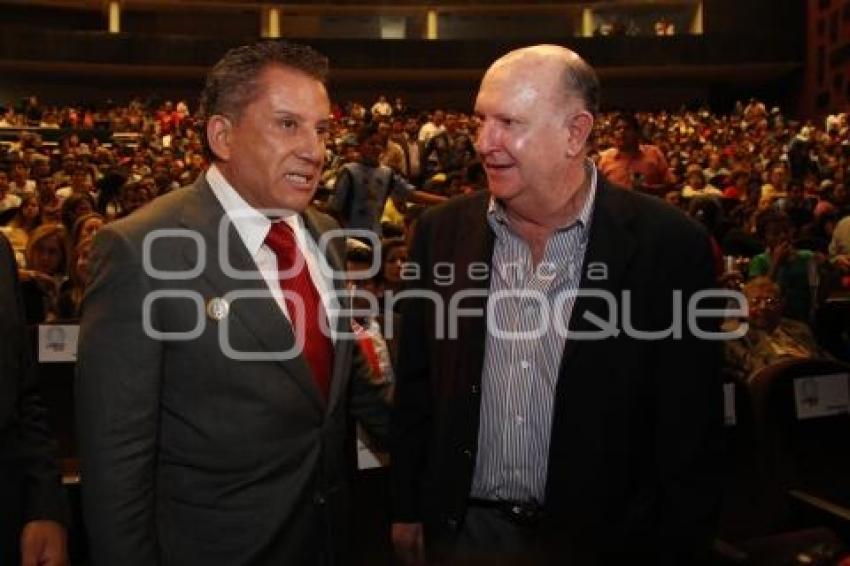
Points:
x=497, y=215
x=251, y=225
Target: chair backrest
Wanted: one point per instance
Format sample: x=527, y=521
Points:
x=802, y=420
x=742, y=514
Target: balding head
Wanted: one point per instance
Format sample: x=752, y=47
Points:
x=577, y=78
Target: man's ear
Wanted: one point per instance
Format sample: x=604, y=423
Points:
x=579, y=126
x=218, y=135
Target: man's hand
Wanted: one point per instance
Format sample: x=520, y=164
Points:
x=409, y=543
x=44, y=543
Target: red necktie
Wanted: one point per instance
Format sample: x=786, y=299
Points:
x=318, y=348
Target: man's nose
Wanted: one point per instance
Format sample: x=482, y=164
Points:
x=485, y=137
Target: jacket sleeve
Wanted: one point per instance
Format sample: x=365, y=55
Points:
x=411, y=415
x=35, y=453
x=689, y=418
x=117, y=400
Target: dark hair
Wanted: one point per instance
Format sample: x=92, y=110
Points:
x=581, y=79
x=359, y=254
x=772, y=219
x=77, y=228
x=232, y=83
x=629, y=120
x=388, y=245
x=69, y=205
x=366, y=131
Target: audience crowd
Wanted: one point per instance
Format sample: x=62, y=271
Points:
x=771, y=191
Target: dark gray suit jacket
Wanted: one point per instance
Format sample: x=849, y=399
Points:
x=30, y=486
x=190, y=456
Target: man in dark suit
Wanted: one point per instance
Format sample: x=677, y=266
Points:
x=515, y=440
x=212, y=398
x=32, y=504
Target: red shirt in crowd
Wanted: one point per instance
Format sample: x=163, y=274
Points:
x=646, y=168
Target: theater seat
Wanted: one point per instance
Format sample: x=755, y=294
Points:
x=802, y=430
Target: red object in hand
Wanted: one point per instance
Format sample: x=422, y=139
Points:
x=845, y=282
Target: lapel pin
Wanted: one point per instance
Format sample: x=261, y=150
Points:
x=217, y=308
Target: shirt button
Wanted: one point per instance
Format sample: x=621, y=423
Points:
x=524, y=364
x=520, y=419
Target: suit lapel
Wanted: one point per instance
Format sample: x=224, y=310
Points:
x=479, y=251
x=610, y=248
x=231, y=271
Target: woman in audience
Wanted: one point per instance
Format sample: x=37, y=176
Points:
x=770, y=337
x=26, y=219
x=49, y=204
x=85, y=226
x=46, y=266
x=75, y=206
x=393, y=256
x=71, y=295
x=794, y=270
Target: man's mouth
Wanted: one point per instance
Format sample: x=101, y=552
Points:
x=298, y=179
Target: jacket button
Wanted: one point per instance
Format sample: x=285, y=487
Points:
x=475, y=389
x=451, y=524
x=319, y=499
x=467, y=452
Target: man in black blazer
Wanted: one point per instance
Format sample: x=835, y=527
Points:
x=33, y=510
x=212, y=399
x=520, y=442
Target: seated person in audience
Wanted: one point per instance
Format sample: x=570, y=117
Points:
x=840, y=198
x=75, y=206
x=448, y=151
x=49, y=204
x=8, y=200
x=393, y=155
x=839, y=246
x=62, y=177
x=393, y=257
x=133, y=196
x=795, y=270
x=71, y=294
x=80, y=183
x=798, y=208
x=673, y=198
x=86, y=226
x=46, y=265
x=696, y=185
x=20, y=183
x=26, y=219
x=362, y=188
x=738, y=188
x=770, y=337
x=631, y=164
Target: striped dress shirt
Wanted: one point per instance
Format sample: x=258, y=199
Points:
x=524, y=345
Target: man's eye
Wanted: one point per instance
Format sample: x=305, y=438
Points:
x=288, y=124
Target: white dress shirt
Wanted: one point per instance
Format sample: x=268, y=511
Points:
x=253, y=226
